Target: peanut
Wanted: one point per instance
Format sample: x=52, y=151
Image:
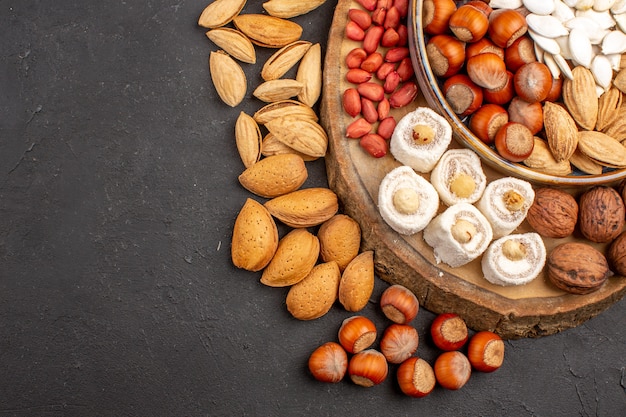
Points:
x=374, y=144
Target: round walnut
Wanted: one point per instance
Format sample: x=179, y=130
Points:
x=616, y=254
x=553, y=213
x=577, y=268
x=601, y=214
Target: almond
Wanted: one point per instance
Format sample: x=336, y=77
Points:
x=561, y=131
x=314, y=296
x=284, y=108
x=340, y=240
x=357, y=282
x=248, y=139
x=235, y=43
x=220, y=12
x=304, y=208
x=272, y=146
x=310, y=75
x=301, y=134
x=579, y=96
x=291, y=8
x=268, y=31
x=275, y=175
x=228, y=78
x=255, y=237
x=602, y=148
x=278, y=90
x=284, y=59
x=295, y=257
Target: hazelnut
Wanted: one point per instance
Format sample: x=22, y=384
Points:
x=601, y=214
x=406, y=200
x=463, y=185
x=616, y=254
x=513, y=200
x=463, y=231
x=577, y=268
x=514, y=250
x=553, y=213
x=423, y=134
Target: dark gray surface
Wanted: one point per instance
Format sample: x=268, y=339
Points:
x=118, y=192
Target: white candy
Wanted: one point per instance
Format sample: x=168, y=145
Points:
x=404, y=178
x=500, y=269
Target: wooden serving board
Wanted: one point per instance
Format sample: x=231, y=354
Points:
x=531, y=310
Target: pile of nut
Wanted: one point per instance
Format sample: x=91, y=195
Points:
x=368, y=366
x=379, y=70
x=320, y=268
x=579, y=266
x=552, y=67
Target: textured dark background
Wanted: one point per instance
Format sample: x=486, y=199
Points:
x=118, y=192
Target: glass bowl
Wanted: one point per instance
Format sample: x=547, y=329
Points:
x=430, y=88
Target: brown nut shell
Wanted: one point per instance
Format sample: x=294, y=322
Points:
x=577, y=268
x=357, y=282
x=314, y=296
x=295, y=257
x=340, y=240
x=553, y=213
x=616, y=254
x=601, y=214
x=255, y=237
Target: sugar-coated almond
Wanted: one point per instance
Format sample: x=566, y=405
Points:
x=255, y=237
x=295, y=257
x=307, y=207
x=275, y=175
x=314, y=296
x=357, y=282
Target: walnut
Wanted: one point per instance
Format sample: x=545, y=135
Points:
x=577, y=267
x=616, y=254
x=601, y=214
x=553, y=213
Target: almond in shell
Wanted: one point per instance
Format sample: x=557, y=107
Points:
x=255, y=237
x=303, y=135
x=276, y=90
x=609, y=105
x=561, y=131
x=274, y=176
x=228, y=78
x=220, y=12
x=542, y=160
x=340, y=240
x=304, y=208
x=248, y=139
x=284, y=59
x=291, y=8
x=310, y=75
x=295, y=257
x=235, y=43
x=272, y=146
x=357, y=282
x=284, y=108
x=602, y=148
x=268, y=31
x=314, y=296
x=580, y=98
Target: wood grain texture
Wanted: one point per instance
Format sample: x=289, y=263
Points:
x=532, y=310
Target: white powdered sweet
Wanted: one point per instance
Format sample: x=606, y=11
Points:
x=418, y=205
x=458, y=235
x=422, y=157
x=505, y=204
x=458, y=177
x=515, y=259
